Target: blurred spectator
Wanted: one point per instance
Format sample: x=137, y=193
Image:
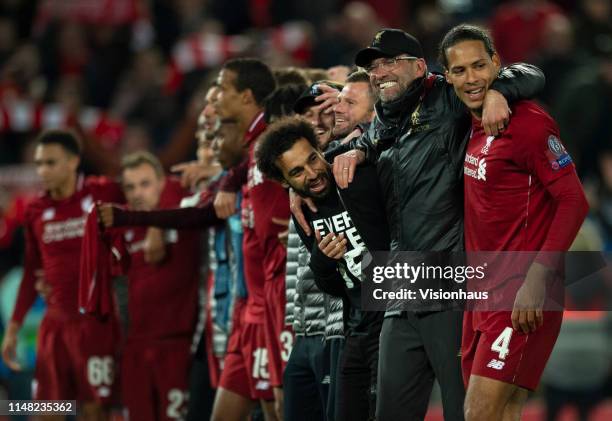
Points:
x=517, y=28
x=603, y=207
x=289, y=76
x=430, y=25
x=20, y=76
x=140, y=96
x=594, y=26
x=108, y=49
x=136, y=138
x=583, y=109
x=338, y=73
x=342, y=36
x=580, y=363
x=559, y=57
x=8, y=39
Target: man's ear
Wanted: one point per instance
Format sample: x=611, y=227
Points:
x=446, y=77
x=496, y=61
x=247, y=96
x=74, y=161
x=421, y=67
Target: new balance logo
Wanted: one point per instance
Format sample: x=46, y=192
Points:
x=496, y=364
x=262, y=385
x=326, y=380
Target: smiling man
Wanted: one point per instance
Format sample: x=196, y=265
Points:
x=522, y=193
x=346, y=227
x=417, y=141
x=355, y=104
x=316, y=112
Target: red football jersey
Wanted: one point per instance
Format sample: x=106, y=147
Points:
x=54, y=231
x=521, y=188
x=163, y=297
x=263, y=199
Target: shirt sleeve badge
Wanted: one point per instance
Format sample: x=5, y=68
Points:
x=556, y=154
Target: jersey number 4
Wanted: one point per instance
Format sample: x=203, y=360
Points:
x=502, y=343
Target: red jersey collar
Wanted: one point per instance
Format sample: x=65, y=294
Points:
x=257, y=126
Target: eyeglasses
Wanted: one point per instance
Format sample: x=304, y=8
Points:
x=386, y=64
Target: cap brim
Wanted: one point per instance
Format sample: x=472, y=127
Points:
x=302, y=103
x=368, y=55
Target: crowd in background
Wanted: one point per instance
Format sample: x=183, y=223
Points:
x=131, y=74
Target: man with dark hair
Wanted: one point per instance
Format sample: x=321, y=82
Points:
x=521, y=193
x=346, y=227
x=76, y=353
x=417, y=141
x=254, y=366
x=67, y=139
x=314, y=106
x=244, y=85
x=355, y=105
x=310, y=376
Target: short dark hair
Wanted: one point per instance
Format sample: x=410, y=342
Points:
x=136, y=159
x=361, y=76
x=358, y=76
x=464, y=33
x=278, y=138
x=252, y=74
x=280, y=102
x=67, y=139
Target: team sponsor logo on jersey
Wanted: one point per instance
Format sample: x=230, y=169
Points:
x=556, y=154
x=64, y=230
x=496, y=364
x=480, y=172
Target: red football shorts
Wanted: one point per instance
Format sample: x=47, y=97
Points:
x=245, y=369
x=491, y=348
x=155, y=379
x=76, y=359
x=279, y=337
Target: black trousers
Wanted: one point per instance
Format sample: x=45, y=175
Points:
x=306, y=380
x=336, y=348
x=201, y=394
x=414, y=350
x=357, y=378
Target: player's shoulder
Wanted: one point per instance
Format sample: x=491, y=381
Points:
x=529, y=120
x=36, y=206
x=528, y=112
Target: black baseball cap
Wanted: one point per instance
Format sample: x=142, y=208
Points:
x=307, y=98
x=389, y=42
